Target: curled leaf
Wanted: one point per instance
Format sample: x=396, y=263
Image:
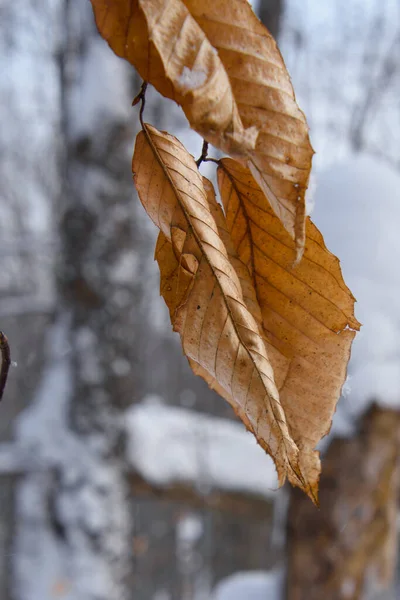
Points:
x=210, y=295
x=281, y=160
x=171, y=51
x=307, y=311
x=217, y=60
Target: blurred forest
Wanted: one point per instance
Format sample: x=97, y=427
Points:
x=122, y=476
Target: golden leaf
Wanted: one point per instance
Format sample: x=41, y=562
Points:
x=210, y=295
x=281, y=160
x=217, y=60
x=170, y=51
x=307, y=310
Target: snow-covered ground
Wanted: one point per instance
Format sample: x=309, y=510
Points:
x=168, y=445
x=256, y=585
x=89, y=498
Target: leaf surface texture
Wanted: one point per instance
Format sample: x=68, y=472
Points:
x=217, y=61
x=210, y=295
x=307, y=310
x=281, y=160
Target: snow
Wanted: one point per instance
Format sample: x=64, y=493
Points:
x=189, y=529
x=86, y=343
x=191, y=79
x=169, y=445
x=356, y=208
x=31, y=118
x=358, y=212
x=121, y=367
x=251, y=585
x=194, y=571
x=310, y=194
x=69, y=480
x=30, y=96
x=126, y=268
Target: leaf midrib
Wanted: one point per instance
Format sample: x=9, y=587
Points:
x=199, y=242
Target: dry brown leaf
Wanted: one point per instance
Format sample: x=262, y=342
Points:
x=210, y=295
x=250, y=324
x=281, y=161
x=170, y=51
x=217, y=60
x=307, y=310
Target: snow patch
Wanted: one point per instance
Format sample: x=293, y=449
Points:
x=191, y=79
x=251, y=585
x=169, y=444
x=126, y=268
x=87, y=343
x=311, y=194
x=189, y=528
x=346, y=389
x=121, y=366
x=73, y=484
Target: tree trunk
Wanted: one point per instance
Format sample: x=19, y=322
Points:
x=30, y=151
x=347, y=550
x=74, y=520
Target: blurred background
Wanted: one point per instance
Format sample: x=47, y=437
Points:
x=122, y=476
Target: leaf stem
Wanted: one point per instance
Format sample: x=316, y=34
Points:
x=214, y=160
x=203, y=155
x=141, y=97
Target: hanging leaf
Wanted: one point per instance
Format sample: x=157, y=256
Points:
x=219, y=62
x=307, y=311
x=209, y=293
x=272, y=339
x=281, y=160
x=170, y=51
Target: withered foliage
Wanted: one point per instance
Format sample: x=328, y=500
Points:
x=258, y=300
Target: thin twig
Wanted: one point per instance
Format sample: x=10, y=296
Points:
x=203, y=156
x=214, y=160
x=5, y=361
x=141, y=97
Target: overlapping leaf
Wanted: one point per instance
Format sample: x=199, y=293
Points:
x=222, y=66
x=281, y=161
x=170, y=50
x=273, y=340
x=210, y=295
x=307, y=311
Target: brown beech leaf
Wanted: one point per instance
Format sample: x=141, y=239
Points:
x=209, y=293
x=281, y=160
x=217, y=60
x=171, y=51
x=307, y=310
